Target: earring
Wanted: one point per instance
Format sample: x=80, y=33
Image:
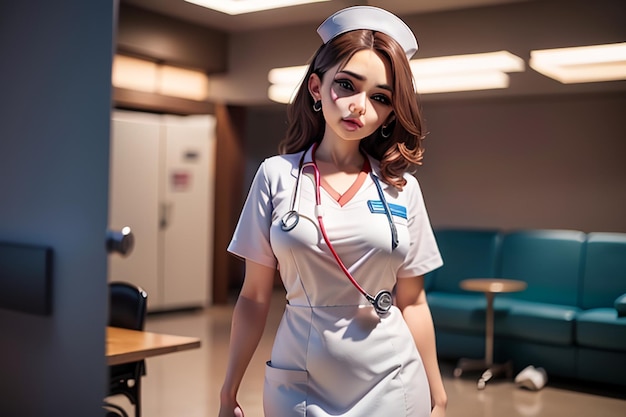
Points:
x=385, y=133
x=317, y=106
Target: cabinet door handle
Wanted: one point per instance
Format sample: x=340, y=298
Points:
x=120, y=241
x=164, y=215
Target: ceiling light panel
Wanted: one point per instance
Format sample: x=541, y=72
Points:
x=287, y=75
x=284, y=82
x=487, y=80
x=235, y=7
x=582, y=64
x=502, y=61
x=432, y=75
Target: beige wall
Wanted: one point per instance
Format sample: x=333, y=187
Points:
x=523, y=162
x=537, y=155
x=536, y=162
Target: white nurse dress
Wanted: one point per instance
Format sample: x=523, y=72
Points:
x=333, y=355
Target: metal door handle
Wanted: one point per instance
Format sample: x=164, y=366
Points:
x=121, y=242
x=165, y=214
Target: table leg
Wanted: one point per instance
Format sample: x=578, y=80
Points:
x=490, y=369
x=465, y=364
x=489, y=330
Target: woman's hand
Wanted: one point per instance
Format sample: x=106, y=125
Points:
x=438, y=411
x=411, y=299
x=230, y=410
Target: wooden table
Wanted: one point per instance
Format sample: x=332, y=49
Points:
x=124, y=345
x=127, y=346
x=490, y=287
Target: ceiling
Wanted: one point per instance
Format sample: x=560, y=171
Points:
x=288, y=16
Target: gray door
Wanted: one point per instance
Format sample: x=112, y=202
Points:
x=55, y=90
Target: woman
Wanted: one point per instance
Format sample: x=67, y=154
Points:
x=341, y=217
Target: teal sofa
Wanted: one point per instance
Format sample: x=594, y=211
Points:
x=571, y=319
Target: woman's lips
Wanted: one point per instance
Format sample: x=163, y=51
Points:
x=352, y=124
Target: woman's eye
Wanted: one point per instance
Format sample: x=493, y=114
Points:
x=345, y=84
x=382, y=98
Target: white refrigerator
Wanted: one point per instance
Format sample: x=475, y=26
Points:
x=161, y=186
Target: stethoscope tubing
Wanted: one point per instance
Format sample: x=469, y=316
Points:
x=383, y=300
x=292, y=217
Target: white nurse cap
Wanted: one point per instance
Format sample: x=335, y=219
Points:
x=369, y=18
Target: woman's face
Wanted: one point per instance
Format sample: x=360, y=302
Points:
x=356, y=99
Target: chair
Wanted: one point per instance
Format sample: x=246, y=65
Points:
x=127, y=309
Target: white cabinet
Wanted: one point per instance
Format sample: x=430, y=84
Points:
x=161, y=185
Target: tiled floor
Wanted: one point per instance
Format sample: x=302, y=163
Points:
x=187, y=384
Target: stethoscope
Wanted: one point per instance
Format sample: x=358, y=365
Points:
x=383, y=301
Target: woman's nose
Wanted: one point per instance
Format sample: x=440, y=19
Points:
x=358, y=104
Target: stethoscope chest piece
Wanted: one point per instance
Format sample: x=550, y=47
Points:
x=289, y=220
x=382, y=302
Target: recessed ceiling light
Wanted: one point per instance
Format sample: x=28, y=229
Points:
x=432, y=75
x=582, y=64
x=284, y=82
x=467, y=72
x=234, y=7
x=502, y=61
x=488, y=80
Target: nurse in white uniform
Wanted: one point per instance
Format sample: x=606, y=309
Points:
x=342, y=218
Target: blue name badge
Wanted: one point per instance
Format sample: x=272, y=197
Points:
x=376, y=206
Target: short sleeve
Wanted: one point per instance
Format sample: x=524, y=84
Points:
x=423, y=255
x=251, y=239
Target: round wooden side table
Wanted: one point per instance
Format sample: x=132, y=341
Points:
x=490, y=287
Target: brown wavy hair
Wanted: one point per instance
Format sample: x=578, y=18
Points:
x=402, y=151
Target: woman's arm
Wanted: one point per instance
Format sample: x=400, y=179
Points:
x=411, y=300
x=248, y=323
